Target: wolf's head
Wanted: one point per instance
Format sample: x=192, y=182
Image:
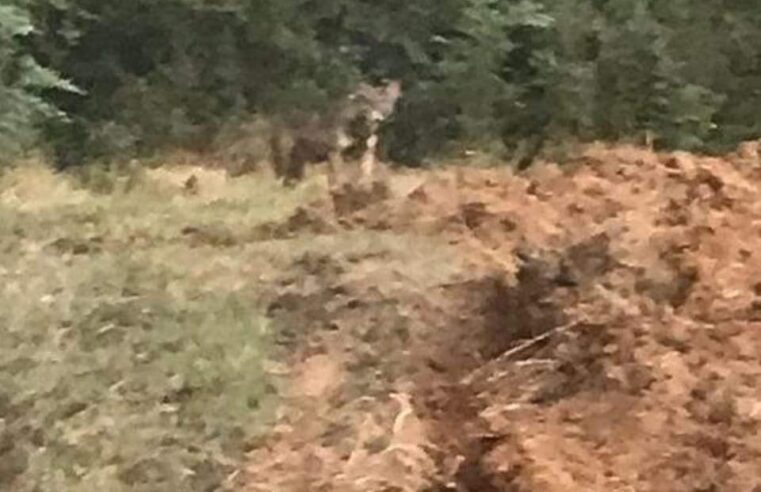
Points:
x=378, y=102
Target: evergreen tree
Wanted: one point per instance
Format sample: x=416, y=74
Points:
x=22, y=83
x=161, y=73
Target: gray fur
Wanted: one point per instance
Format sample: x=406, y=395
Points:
x=345, y=133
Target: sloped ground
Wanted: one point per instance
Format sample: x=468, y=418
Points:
x=595, y=327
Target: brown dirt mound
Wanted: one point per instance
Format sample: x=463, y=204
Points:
x=600, y=329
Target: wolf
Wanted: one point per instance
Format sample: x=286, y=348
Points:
x=346, y=132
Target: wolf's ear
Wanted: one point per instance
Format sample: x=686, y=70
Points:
x=394, y=87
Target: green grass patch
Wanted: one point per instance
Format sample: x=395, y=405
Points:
x=131, y=359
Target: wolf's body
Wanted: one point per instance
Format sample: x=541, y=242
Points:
x=346, y=133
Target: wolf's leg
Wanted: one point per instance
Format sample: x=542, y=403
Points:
x=368, y=163
x=336, y=167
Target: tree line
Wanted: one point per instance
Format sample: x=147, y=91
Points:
x=94, y=79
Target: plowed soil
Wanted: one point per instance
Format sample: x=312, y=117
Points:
x=594, y=326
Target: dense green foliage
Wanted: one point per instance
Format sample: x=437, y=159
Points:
x=21, y=80
x=170, y=72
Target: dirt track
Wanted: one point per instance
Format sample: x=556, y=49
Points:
x=591, y=328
